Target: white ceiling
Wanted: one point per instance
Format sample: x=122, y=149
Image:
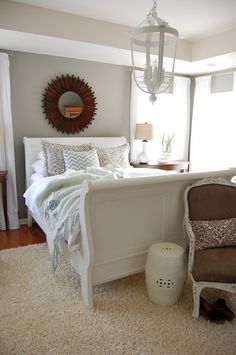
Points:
x=194, y=19
x=207, y=28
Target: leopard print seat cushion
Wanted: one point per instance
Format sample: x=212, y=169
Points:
x=214, y=234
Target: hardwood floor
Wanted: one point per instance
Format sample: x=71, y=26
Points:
x=19, y=237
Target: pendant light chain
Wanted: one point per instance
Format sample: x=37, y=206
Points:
x=154, y=5
x=153, y=11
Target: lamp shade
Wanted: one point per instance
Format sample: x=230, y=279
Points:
x=144, y=131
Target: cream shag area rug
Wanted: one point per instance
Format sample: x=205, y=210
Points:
x=42, y=313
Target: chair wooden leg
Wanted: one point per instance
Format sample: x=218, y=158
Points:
x=196, y=300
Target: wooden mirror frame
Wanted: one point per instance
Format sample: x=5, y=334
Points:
x=51, y=96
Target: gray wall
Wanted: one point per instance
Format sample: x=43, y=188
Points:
x=30, y=74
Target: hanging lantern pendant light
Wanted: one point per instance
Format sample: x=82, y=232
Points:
x=158, y=41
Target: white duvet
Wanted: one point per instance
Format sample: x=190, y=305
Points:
x=55, y=201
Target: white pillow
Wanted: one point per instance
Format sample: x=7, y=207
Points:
x=38, y=167
x=36, y=177
x=80, y=160
x=40, y=156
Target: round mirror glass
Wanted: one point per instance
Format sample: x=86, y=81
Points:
x=70, y=104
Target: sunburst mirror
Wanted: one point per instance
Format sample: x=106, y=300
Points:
x=69, y=104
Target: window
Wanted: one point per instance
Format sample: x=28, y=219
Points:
x=213, y=143
x=169, y=115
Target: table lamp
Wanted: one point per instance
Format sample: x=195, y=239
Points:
x=144, y=132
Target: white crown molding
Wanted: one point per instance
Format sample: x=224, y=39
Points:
x=38, y=30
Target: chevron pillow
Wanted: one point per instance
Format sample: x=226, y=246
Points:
x=80, y=160
x=53, y=155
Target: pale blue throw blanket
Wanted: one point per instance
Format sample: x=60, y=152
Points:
x=55, y=200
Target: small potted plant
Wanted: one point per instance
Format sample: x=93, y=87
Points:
x=166, y=144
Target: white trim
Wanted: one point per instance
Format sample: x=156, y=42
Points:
x=23, y=221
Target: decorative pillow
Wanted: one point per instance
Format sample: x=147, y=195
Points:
x=53, y=155
x=114, y=155
x=213, y=234
x=36, y=177
x=80, y=160
x=38, y=166
x=40, y=156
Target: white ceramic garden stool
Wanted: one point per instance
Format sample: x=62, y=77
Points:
x=165, y=272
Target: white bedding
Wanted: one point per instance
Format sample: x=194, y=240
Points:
x=55, y=201
x=36, y=177
x=131, y=173
x=39, y=183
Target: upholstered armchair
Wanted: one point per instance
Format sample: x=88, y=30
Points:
x=210, y=225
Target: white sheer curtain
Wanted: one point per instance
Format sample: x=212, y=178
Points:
x=169, y=115
x=7, y=156
x=213, y=143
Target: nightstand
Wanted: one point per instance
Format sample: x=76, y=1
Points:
x=181, y=166
x=3, y=181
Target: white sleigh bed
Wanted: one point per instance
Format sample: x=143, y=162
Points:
x=121, y=218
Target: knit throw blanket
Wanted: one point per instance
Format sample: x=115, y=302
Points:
x=56, y=201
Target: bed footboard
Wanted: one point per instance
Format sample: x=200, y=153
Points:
x=120, y=219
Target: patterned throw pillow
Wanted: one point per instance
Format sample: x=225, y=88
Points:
x=80, y=160
x=114, y=155
x=214, y=234
x=53, y=155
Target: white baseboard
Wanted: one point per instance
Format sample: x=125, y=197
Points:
x=23, y=221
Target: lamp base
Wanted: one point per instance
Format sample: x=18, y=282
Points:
x=143, y=158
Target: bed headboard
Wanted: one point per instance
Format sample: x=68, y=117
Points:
x=33, y=147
